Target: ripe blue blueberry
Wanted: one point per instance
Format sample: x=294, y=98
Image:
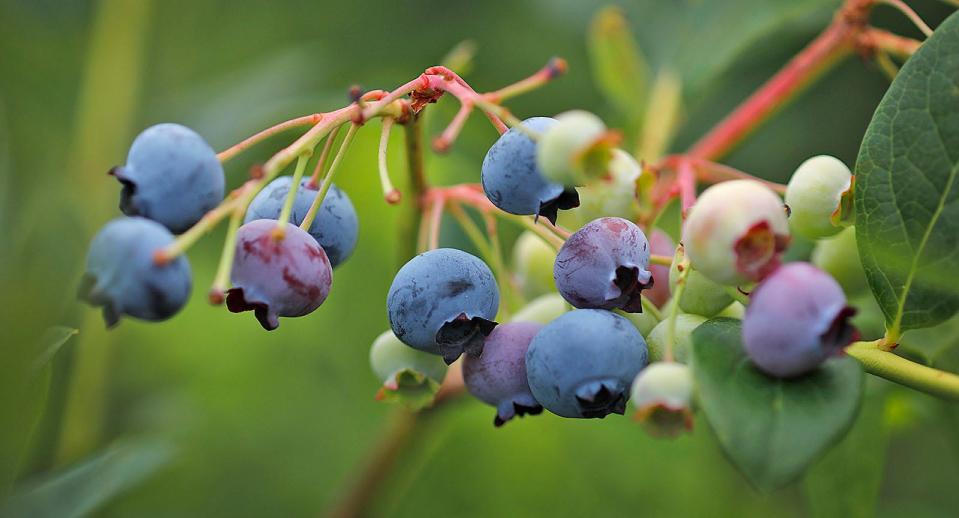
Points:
x=444, y=302
x=122, y=276
x=604, y=265
x=172, y=176
x=335, y=226
x=795, y=320
x=276, y=277
x=498, y=376
x=513, y=181
x=583, y=363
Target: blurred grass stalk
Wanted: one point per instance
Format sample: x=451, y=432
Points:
x=106, y=109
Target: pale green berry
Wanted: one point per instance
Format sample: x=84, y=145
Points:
x=701, y=296
x=814, y=195
x=838, y=256
x=612, y=195
x=644, y=322
x=658, y=338
x=735, y=310
x=571, y=151
x=533, y=261
x=662, y=395
x=408, y=374
x=543, y=309
x=736, y=232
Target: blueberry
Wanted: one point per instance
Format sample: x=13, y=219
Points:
x=515, y=184
x=736, y=232
x=662, y=394
x=839, y=256
x=604, y=265
x=335, y=226
x=795, y=320
x=407, y=374
x=656, y=339
x=286, y=277
x=583, y=363
x=701, y=296
x=660, y=244
x=533, y=262
x=613, y=194
x=444, y=302
x=573, y=149
x=172, y=176
x=122, y=277
x=815, y=195
x=543, y=309
x=498, y=376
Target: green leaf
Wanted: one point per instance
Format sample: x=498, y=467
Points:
x=907, y=215
x=771, y=429
x=618, y=65
x=81, y=489
x=51, y=342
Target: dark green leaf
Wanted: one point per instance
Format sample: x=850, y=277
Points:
x=771, y=429
x=907, y=215
x=81, y=489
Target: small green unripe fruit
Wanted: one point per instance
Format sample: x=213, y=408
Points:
x=657, y=339
x=643, y=322
x=533, y=262
x=611, y=195
x=662, y=395
x=736, y=232
x=701, y=296
x=574, y=149
x=543, y=309
x=815, y=194
x=838, y=256
x=408, y=375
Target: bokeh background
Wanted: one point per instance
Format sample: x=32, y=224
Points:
x=209, y=415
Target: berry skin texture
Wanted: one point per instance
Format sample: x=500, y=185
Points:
x=685, y=325
x=406, y=373
x=796, y=319
x=513, y=181
x=289, y=277
x=604, y=265
x=736, y=232
x=814, y=196
x=122, y=277
x=444, y=302
x=533, y=262
x=335, y=227
x=570, y=151
x=660, y=244
x=662, y=395
x=839, y=256
x=611, y=195
x=172, y=176
x=583, y=363
x=498, y=376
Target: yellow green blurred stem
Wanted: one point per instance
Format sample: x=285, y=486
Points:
x=893, y=367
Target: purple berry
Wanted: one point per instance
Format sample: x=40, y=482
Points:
x=285, y=277
x=498, y=376
x=796, y=319
x=122, y=277
x=660, y=244
x=604, y=265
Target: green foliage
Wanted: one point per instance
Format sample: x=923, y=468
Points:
x=619, y=67
x=907, y=215
x=771, y=429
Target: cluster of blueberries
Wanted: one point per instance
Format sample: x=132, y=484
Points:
x=586, y=362
x=590, y=355
x=171, y=179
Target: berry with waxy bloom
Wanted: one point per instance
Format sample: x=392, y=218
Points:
x=498, y=376
x=575, y=149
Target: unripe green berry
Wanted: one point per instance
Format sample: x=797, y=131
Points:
x=814, y=196
x=657, y=338
x=573, y=150
x=533, y=262
x=611, y=195
x=408, y=375
x=701, y=296
x=838, y=256
x=643, y=322
x=736, y=232
x=662, y=395
x=543, y=309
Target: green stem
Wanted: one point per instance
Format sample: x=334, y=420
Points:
x=411, y=218
x=222, y=280
x=294, y=187
x=674, y=309
x=328, y=177
x=651, y=308
x=895, y=368
x=472, y=230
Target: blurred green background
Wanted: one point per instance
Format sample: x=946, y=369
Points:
x=209, y=415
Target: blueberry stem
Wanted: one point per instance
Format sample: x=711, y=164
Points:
x=291, y=195
x=473, y=232
x=684, y=269
x=390, y=194
x=889, y=365
x=651, y=308
x=324, y=155
x=916, y=20
x=328, y=177
x=663, y=260
x=222, y=280
x=550, y=238
x=236, y=149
